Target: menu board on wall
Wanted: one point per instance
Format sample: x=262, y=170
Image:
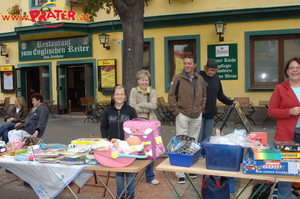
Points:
x=226, y=56
x=8, y=79
x=107, y=74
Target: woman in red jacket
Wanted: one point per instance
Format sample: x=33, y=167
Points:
x=285, y=107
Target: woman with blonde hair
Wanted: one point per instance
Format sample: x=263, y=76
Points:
x=144, y=99
x=17, y=114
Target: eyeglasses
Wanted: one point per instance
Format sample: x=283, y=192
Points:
x=294, y=68
x=119, y=94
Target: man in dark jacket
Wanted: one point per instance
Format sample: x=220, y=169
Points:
x=214, y=91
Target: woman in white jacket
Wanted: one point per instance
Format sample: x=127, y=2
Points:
x=144, y=99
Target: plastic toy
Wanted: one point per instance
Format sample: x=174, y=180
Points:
x=113, y=156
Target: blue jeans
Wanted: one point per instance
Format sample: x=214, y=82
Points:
x=149, y=172
x=120, y=184
x=284, y=188
x=206, y=129
x=4, y=130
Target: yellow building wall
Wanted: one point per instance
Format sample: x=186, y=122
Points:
x=234, y=33
x=158, y=7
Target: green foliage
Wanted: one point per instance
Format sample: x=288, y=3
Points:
x=91, y=7
x=14, y=10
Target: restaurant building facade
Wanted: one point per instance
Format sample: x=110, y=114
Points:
x=63, y=59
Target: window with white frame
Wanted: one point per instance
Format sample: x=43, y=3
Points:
x=269, y=55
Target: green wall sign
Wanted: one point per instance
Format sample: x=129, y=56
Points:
x=55, y=48
x=226, y=56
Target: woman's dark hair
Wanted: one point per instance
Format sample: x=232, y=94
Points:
x=37, y=96
x=297, y=59
x=118, y=86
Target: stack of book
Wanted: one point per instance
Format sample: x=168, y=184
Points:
x=50, y=155
x=75, y=155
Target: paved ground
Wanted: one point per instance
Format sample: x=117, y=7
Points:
x=63, y=129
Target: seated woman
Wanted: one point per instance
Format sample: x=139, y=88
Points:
x=34, y=124
x=17, y=114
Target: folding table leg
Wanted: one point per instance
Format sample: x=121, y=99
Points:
x=245, y=188
x=111, y=194
x=72, y=191
x=187, y=177
x=170, y=182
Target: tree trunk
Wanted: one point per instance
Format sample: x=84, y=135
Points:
x=131, y=13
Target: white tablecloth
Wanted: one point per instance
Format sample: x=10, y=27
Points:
x=47, y=180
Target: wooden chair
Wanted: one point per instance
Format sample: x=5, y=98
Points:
x=83, y=102
x=88, y=111
x=91, y=100
x=4, y=105
x=96, y=184
x=163, y=111
x=247, y=107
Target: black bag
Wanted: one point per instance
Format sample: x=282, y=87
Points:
x=264, y=192
x=215, y=187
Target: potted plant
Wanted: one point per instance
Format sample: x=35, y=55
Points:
x=14, y=10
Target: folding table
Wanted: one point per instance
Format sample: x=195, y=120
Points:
x=135, y=167
x=48, y=180
x=200, y=168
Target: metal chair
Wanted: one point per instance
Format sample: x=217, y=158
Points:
x=247, y=108
x=49, y=104
x=89, y=112
x=91, y=100
x=220, y=115
x=164, y=113
x=4, y=105
x=265, y=120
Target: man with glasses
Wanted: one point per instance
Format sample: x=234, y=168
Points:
x=214, y=91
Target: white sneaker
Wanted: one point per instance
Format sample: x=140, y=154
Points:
x=154, y=182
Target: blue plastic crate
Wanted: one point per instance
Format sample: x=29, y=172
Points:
x=222, y=156
x=185, y=160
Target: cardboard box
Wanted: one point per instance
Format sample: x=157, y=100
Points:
x=287, y=145
x=261, y=136
x=222, y=156
x=275, y=167
x=266, y=154
x=289, y=155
